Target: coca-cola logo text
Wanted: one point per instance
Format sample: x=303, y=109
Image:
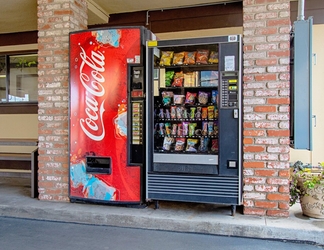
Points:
x=92, y=125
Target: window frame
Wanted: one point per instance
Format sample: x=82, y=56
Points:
x=25, y=107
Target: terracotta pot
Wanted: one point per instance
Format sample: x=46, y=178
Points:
x=312, y=200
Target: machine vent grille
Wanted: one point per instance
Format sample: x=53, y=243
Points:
x=193, y=188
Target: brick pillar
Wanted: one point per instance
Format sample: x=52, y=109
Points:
x=56, y=18
x=266, y=27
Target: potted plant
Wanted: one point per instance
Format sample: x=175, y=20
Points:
x=307, y=187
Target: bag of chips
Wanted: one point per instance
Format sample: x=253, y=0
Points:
x=178, y=99
x=202, y=56
x=213, y=57
x=190, y=98
x=178, y=58
x=204, y=141
x=167, y=143
x=178, y=79
x=190, y=57
x=166, y=58
x=180, y=143
x=203, y=97
x=169, y=78
x=192, y=145
x=167, y=97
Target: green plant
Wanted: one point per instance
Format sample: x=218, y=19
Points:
x=24, y=63
x=304, y=177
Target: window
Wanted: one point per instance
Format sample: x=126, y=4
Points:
x=18, y=78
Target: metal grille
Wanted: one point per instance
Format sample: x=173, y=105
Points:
x=191, y=188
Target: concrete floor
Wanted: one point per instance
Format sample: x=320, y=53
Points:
x=15, y=201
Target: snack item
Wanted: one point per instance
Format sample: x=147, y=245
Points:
x=161, y=114
x=189, y=79
x=190, y=57
x=168, y=128
x=215, y=128
x=161, y=130
x=203, y=97
x=202, y=56
x=185, y=126
x=178, y=58
x=209, y=78
x=179, y=112
x=174, y=129
x=173, y=112
x=198, y=113
x=167, y=143
x=192, y=145
x=192, y=112
x=180, y=143
x=214, y=96
x=156, y=127
x=184, y=113
x=216, y=113
x=204, y=141
x=190, y=98
x=167, y=97
x=210, y=128
x=166, y=58
x=214, y=146
x=178, y=79
x=213, y=57
x=178, y=99
x=168, y=78
x=192, y=127
x=204, y=113
x=210, y=112
x=167, y=114
x=204, y=130
x=180, y=131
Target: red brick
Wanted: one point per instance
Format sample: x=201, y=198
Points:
x=254, y=132
x=254, y=180
x=266, y=31
x=284, y=173
x=267, y=109
x=281, y=53
x=278, y=197
x=278, y=133
x=266, y=172
x=248, y=149
x=253, y=164
x=266, y=62
x=278, y=22
x=283, y=100
x=248, y=125
x=247, y=48
x=254, y=211
x=266, y=204
x=247, y=141
x=283, y=205
x=284, y=189
x=266, y=77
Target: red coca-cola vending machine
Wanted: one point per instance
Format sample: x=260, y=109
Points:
x=106, y=111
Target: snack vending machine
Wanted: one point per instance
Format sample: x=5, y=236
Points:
x=196, y=122
x=107, y=111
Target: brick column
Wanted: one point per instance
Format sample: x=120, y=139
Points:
x=56, y=18
x=266, y=27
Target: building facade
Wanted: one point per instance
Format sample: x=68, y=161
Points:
x=265, y=26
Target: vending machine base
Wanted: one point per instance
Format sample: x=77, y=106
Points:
x=199, y=189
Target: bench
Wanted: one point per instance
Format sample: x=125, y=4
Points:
x=15, y=163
